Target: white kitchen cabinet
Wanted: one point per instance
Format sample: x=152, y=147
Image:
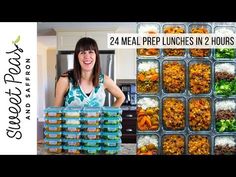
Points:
x=68, y=40
x=100, y=37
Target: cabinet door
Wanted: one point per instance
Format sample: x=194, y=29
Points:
x=100, y=37
x=68, y=40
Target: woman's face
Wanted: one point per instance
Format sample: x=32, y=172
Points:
x=87, y=59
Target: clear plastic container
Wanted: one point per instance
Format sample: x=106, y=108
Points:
x=111, y=150
x=148, y=77
x=200, y=28
x=111, y=135
x=225, y=53
x=225, y=145
x=173, y=144
x=92, y=150
x=53, y=141
x=92, y=143
x=54, y=149
x=174, y=29
x=91, y=120
x=72, y=135
x=53, y=120
x=200, y=113
x=92, y=111
x=174, y=113
x=111, y=120
x=199, y=144
x=72, y=111
x=148, y=28
x=91, y=135
x=224, y=79
x=53, y=128
x=53, y=111
x=72, y=121
x=200, y=77
x=53, y=134
x=111, y=143
x=174, y=76
x=75, y=150
x=147, y=144
x=111, y=111
x=72, y=142
x=111, y=128
x=148, y=113
x=72, y=128
x=91, y=128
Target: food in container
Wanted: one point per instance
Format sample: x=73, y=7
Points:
x=173, y=113
x=53, y=128
x=173, y=145
x=200, y=77
x=200, y=29
x=148, y=114
x=91, y=128
x=71, y=121
x=174, y=29
x=148, y=77
x=49, y=134
x=200, y=114
x=225, y=53
x=72, y=142
x=92, y=111
x=53, y=111
x=111, y=128
x=111, y=143
x=111, y=120
x=72, y=111
x=174, y=76
x=76, y=150
x=91, y=143
x=199, y=145
x=111, y=135
x=225, y=79
x=91, y=135
x=225, y=145
x=54, y=149
x=225, y=111
x=110, y=150
x=111, y=111
x=53, y=120
x=91, y=120
x=147, y=145
x=53, y=141
x=92, y=150
x=151, y=29
x=71, y=128
x=71, y=135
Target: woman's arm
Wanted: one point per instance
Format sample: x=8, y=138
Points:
x=111, y=87
x=61, y=89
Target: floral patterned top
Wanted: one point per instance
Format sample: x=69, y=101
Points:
x=77, y=97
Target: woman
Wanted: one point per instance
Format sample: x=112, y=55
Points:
x=85, y=85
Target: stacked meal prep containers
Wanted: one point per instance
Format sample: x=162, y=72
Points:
x=83, y=130
x=180, y=116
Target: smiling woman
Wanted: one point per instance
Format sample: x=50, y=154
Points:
x=85, y=84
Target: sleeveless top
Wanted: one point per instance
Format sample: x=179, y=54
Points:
x=77, y=97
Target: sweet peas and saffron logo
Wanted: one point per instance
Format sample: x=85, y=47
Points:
x=13, y=88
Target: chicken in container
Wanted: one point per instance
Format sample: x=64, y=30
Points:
x=147, y=145
x=148, y=77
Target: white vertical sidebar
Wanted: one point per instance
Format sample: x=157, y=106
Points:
x=18, y=88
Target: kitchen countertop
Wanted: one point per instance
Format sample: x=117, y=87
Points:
x=126, y=149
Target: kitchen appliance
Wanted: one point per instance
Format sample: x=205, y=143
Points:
x=129, y=91
x=65, y=61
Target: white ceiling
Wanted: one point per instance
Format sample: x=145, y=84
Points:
x=50, y=28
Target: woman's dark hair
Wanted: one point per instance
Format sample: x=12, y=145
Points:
x=83, y=44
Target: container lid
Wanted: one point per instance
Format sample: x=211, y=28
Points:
x=111, y=141
x=53, y=139
x=92, y=109
x=72, y=109
x=72, y=147
x=53, y=109
x=118, y=118
x=112, y=126
x=118, y=133
x=112, y=109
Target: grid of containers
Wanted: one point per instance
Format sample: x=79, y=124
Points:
x=83, y=130
x=186, y=97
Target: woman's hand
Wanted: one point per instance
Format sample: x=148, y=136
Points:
x=111, y=87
